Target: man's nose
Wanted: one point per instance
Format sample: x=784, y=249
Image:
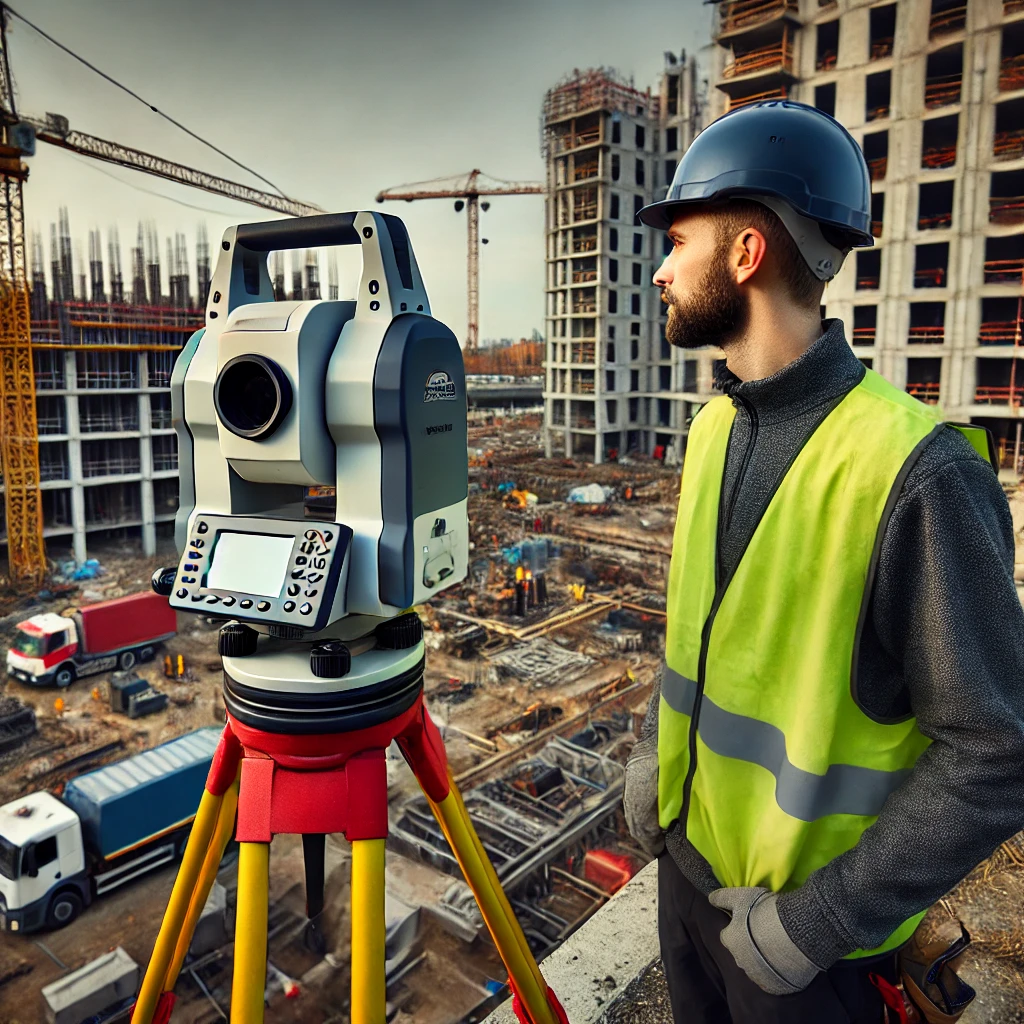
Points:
x=662, y=276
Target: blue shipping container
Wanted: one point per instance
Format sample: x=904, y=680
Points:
x=126, y=803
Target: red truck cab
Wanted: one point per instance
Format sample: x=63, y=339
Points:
x=51, y=648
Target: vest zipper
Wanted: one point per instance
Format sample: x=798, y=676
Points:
x=721, y=586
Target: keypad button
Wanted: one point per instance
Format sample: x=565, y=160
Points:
x=198, y=597
x=198, y=543
x=306, y=608
x=202, y=528
x=297, y=574
x=289, y=606
x=182, y=592
x=263, y=606
x=328, y=536
x=310, y=535
x=213, y=599
x=314, y=577
x=300, y=559
x=245, y=604
x=194, y=554
x=228, y=602
x=188, y=579
x=312, y=592
x=191, y=568
x=293, y=589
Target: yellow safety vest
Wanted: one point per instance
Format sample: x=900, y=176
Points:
x=780, y=770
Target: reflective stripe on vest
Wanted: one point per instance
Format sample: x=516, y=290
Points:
x=787, y=771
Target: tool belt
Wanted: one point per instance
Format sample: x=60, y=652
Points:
x=930, y=990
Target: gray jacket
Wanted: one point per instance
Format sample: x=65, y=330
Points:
x=944, y=640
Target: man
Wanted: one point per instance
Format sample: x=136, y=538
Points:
x=840, y=726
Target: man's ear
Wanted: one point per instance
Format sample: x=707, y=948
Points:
x=749, y=251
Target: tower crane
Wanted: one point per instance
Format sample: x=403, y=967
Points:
x=19, y=442
x=466, y=189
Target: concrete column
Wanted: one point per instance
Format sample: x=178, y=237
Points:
x=75, y=459
x=146, y=461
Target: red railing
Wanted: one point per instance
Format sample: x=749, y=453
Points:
x=1006, y=209
x=1004, y=271
x=864, y=335
x=867, y=282
x=1000, y=332
x=876, y=228
x=767, y=58
x=881, y=48
x=878, y=167
x=1009, y=144
x=926, y=335
x=930, y=277
x=939, y=156
x=991, y=395
x=942, y=91
x=745, y=13
x=877, y=113
x=931, y=221
x=1011, y=73
x=1013, y=6
x=771, y=94
x=951, y=20
x=925, y=391
x=827, y=61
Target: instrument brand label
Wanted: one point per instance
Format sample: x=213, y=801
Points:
x=440, y=388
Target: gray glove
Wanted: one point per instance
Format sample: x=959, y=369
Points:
x=640, y=796
x=759, y=943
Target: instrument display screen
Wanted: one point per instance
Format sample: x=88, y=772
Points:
x=251, y=563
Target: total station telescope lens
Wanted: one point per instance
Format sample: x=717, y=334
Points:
x=252, y=396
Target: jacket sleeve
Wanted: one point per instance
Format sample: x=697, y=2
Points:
x=949, y=622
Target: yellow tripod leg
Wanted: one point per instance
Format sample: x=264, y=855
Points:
x=207, y=876
x=250, y=978
x=368, y=985
x=177, y=907
x=498, y=915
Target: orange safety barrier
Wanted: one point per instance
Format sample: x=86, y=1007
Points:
x=876, y=228
x=1007, y=452
x=881, y=48
x=1013, y=6
x=582, y=276
x=998, y=395
x=951, y=20
x=867, y=282
x=771, y=94
x=942, y=90
x=1005, y=209
x=744, y=13
x=767, y=58
x=926, y=335
x=939, y=156
x=877, y=113
x=827, y=61
x=1000, y=332
x=927, y=392
x=878, y=167
x=863, y=335
x=1011, y=73
x=1009, y=144
x=932, y=277
x=935, y=220
x=1004, y=271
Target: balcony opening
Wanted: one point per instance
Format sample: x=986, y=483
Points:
x=865, y=322
x=585, y=167
x=931, y=263
x=584, y=270
x=779, y=93
x=584, y=204
x=53, y=461
x=1008, y=142
x=690, y=375
x=883, y=31
x=50, y=415
x=1006, y=197
x=877, y=213
x=869, y=268
x=938, y=142
x=584, y=327
x=584, y=241
x=1004, y=260
x=1011, y=63
x=999, y=381
x=1012, y=7
x=877, y=95
x=743, y=14
x=825, y=98
x=112, y=458
x=935, y=205
x=876, y=153
x=927, y=323
x=1000, y=322
x=947, y=16
x=944, y=73
x=761, y=57
x=57, y=508
x=827, y=46
x=48, y=369
x=924, y=377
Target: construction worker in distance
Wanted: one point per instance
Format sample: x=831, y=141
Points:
x=839, y=732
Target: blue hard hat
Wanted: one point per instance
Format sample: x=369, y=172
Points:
x=779, y=149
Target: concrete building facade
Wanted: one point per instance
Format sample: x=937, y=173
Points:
x=933, y=90
x=613, y=385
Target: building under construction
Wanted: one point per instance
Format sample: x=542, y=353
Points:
x=105, y=335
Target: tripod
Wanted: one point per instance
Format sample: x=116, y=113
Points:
x=282, y=774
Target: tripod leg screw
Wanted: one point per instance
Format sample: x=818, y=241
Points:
x=330, y=660
x=237, y=640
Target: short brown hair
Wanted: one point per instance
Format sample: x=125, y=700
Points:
x=733, y=215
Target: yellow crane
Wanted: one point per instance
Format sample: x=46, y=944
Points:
x=19, y=442
x=466, y=190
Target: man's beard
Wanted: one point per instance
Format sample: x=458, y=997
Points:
x=715, y=312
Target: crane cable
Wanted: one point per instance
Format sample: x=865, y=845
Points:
x=136, y=96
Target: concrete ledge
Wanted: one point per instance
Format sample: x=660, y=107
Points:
x=597, y=962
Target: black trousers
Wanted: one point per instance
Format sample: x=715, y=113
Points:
x=706, y=987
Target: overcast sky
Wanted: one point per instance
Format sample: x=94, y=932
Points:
x=332, y=101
